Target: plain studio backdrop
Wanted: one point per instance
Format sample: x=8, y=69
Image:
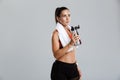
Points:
x=25, y=38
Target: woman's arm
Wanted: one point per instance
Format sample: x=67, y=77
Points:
x=80, y=73
x=58, y=53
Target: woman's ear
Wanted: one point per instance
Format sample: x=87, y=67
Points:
x=58, y=19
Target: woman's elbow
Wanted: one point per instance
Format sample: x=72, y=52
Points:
x=56, y=56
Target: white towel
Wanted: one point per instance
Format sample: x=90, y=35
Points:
x=63, y=36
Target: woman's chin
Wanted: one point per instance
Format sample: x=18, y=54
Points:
x=67, y=24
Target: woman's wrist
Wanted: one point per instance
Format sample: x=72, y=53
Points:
x=70, y=45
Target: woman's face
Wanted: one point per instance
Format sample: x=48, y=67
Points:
x=64, y=18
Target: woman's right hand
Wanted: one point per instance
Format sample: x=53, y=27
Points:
x=74, y=39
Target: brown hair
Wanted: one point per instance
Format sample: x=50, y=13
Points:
x=58, y=12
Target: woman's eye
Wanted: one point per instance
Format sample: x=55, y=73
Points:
x=64, y=15
x=69, y=15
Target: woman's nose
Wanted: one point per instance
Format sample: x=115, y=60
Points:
x=68, y=18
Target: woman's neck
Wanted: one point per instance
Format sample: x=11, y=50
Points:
x=65, y=26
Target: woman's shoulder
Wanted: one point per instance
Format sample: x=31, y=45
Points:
x=55, y=33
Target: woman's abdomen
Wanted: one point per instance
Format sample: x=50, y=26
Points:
x=69, y=57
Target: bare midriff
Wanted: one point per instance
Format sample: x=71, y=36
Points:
x=69, y=57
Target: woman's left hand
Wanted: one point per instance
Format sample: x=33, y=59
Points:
x=80, y=74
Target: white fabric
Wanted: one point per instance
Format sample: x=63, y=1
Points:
x=63, y=36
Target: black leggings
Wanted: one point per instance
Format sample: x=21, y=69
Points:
x=64, y=71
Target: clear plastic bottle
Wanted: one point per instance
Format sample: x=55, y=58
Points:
x=75, y=33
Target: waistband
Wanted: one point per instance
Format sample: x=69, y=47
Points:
x=64, y=63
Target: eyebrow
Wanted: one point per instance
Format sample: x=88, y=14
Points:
x=65, y=14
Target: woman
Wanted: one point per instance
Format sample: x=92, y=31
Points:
x=64, y=67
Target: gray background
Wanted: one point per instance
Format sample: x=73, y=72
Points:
x=25, y=38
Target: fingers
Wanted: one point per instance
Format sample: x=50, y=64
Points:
x=76, y=38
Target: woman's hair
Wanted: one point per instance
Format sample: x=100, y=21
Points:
x=58, y=12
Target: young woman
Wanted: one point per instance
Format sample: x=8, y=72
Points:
x=64, y=67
